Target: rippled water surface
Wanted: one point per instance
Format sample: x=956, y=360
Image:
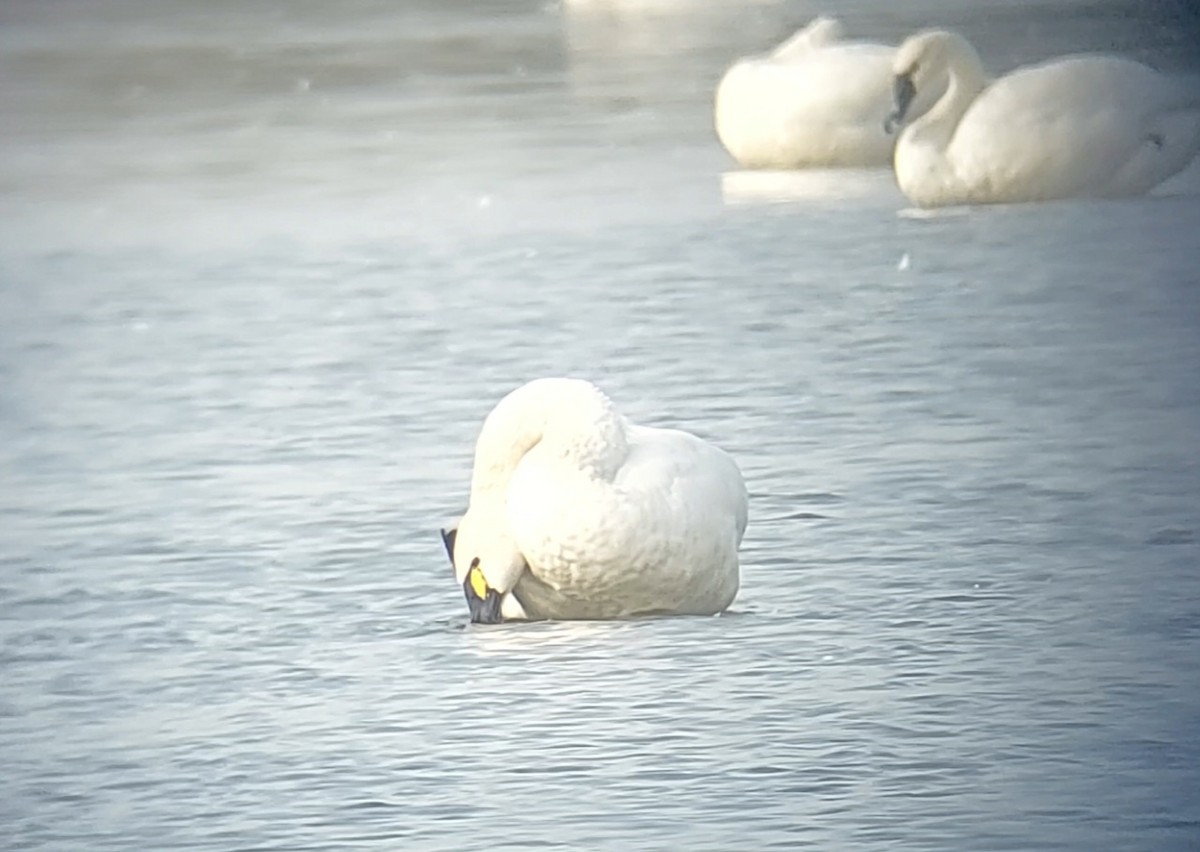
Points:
x=263, y=270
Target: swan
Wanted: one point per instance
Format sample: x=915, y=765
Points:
x=816, y=101
x=576, y=513
x=1088, y=125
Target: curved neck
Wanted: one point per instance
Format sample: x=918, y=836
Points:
x=820, y=31
x=965, y=80
x=568, y=419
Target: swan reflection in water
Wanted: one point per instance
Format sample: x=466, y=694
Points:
x=776, y=186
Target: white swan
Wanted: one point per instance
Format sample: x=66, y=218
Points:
x=575, y=513
x=814, y=102
x=1080, y=126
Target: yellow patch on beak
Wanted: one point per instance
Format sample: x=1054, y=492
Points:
x=478, y=584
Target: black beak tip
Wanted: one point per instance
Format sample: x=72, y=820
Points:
x=485, y=610
x=903, y=92
x=448, y=537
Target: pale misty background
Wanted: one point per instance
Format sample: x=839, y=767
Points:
x=265, y=267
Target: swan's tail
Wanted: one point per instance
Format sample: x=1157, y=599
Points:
x=1176, y=128
x=820, y=31
x=1185, y=92
x=1178, y=132
x=1170, y=143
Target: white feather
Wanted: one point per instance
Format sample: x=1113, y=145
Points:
x=581, y=514
x=816, y=101
x=1080, y=126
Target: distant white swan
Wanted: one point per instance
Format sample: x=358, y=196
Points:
x=814, y=102
x=1080, y=126
x=576, y=513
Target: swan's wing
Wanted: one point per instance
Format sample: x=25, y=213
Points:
x=689, y=492
x=677, y=466
x=1066, y=126
x=819, y=107
x=820, y=31
x=662, y=535
x=844, y=83
x=689, y=499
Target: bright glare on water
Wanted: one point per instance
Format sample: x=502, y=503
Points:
x=265, y=267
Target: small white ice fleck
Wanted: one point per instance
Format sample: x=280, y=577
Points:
x=303, y=84
x=484, y=202
x=905, y=262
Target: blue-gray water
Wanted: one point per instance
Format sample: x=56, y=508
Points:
x=264, y=269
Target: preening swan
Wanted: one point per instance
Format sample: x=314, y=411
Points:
x=1080, y=126
x=577, y=513
x=816, y=101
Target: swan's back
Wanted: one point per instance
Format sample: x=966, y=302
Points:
x=814, y=101
x=688, y=483
x=693, y=504
x=662, y=536
x=1069, y=127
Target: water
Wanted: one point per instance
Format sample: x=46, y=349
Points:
x=264, y=270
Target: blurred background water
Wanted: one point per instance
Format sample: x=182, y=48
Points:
x=265, y=267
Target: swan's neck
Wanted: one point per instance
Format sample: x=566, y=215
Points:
x=820, y=31
x=568, y=420
x=497, y=453
x=965, y=80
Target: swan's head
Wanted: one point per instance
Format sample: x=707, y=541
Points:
x=543, y=428
x=824, y=29
x=920, y=70
x=487, y=565
x=903, y=93
x=820, y=31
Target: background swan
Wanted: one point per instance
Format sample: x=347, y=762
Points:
x=1087, y=125
x=577, y=513
x=815, y=101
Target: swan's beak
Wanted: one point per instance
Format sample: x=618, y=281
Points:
x=903, y=92
x=448, y=537
x=482, y=600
